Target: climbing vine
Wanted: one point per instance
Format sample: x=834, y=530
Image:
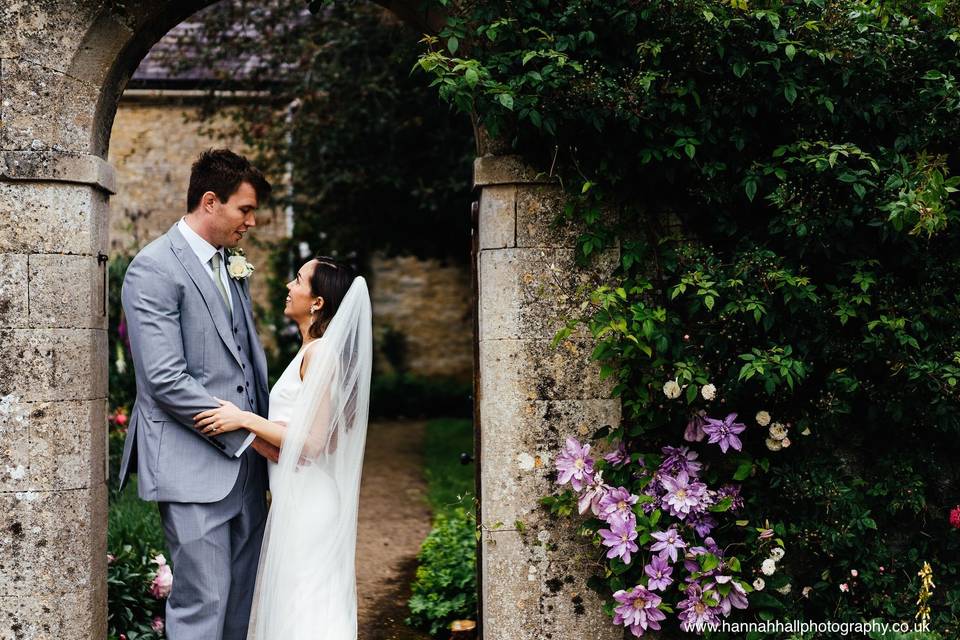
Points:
x=778, y=177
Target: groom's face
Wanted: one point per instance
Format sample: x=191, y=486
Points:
x=234, y=217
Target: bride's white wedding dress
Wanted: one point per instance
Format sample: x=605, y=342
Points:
x=306, y=584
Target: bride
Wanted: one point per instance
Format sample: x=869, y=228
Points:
x=306, y=583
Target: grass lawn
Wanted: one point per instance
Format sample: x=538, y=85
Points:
x=449, y=482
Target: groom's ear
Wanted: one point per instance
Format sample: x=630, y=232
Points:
x=209, y=201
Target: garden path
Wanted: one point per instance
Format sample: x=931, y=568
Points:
x=394, y=519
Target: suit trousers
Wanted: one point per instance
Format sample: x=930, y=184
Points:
x=215, y=550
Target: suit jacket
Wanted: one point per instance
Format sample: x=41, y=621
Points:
x=184, y=354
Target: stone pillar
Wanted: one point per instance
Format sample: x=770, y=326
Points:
x=532, y=396
x=53, y=389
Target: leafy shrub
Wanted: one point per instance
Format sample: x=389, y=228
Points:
x=133, y=610
x=445, y=588
x=781, y=177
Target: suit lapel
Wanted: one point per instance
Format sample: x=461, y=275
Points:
x=208, y=291
x=243, y=304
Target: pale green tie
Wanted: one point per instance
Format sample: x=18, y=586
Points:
x=215, y=267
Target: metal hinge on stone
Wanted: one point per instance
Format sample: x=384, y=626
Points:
x=102, y=260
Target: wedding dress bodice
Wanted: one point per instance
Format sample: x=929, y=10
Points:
x=284, y=395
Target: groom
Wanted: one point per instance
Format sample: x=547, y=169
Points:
x=193, y=341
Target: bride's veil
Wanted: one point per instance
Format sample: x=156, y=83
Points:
x=306, y=584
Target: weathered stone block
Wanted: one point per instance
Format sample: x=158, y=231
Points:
x=48, y=35
x=533, y=293
x=13, y=290
x=497, y=223
x=535, y=370
x=519, y=444
x=58, y=167
x=53, y=616
x=67, y=291
x=43, y=109
x=53, y=541
x=493, y=170
x=52, y=218
x=535, y=586
x=540, y=218
x=53, y=364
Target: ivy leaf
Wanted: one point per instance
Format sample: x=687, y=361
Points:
x=743, y=470
x=472, y=77
x=739, y=68
x=790, y=51
x=453, y=44
x=506, y=100
x=790, y=93
x=750, y=186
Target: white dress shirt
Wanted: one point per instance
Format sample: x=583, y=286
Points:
x=204, y=252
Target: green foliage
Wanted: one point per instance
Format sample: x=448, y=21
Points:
x=782, y=175
x=134, y=538
x=445, y=588
x=131, y=607
x=450, y=483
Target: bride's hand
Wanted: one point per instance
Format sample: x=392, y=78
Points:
x=227, y=417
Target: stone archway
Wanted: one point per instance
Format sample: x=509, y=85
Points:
x=63, y=65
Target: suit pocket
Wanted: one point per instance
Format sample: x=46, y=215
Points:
x=159, y=415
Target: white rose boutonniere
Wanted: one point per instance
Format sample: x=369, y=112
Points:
x=237, y=265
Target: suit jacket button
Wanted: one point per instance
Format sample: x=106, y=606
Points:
x=239, y=388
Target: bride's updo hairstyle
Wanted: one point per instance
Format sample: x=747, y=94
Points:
x=331, y=280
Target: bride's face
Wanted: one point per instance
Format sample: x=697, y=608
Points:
x=299, y=295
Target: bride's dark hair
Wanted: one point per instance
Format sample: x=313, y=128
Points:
x=331, y=280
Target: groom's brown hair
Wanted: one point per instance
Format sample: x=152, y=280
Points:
x=222, y=171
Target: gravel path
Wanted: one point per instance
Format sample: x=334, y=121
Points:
x=394, y=519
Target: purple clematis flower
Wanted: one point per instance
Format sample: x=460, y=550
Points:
x=680, y=459
x=620, y=538
x=638, y=610
x=617, y=505
x=731, y=491
x=702, y=523
x=659, y=572
x=683, y=497
x=668, y=543
x=590, y=499
x=724, y=432
x=697, y=608
x=694, y=431
x=575, y=465
x=735, y=599
x=619, y=456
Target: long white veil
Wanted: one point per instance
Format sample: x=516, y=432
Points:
x=306, y=584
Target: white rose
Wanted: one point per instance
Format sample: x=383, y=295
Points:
x=777, y=553
x=759, y=584
x=806, y=591
x=768, y=567
x=708, y=391
x=785, y=589
x=778, y=431
x=671, y=389
x=238, y=267
x=763, y=418
x=773, y=445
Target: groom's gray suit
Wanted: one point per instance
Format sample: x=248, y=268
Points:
x=187, y=348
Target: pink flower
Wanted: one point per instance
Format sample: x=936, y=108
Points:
x=120, y=419
x=854, y=573
x=575, y=465
x=111, y=558
x=955, y=517
x=157, y=624
x=162, y=582
x=844, y=587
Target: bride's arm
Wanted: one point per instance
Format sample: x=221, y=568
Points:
x=229, y=417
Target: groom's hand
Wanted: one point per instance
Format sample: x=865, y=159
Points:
x=267, y=450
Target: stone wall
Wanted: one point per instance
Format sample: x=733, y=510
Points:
x=154, y=141
x=532, y=397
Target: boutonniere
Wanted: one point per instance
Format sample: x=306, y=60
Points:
x=237, y=265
